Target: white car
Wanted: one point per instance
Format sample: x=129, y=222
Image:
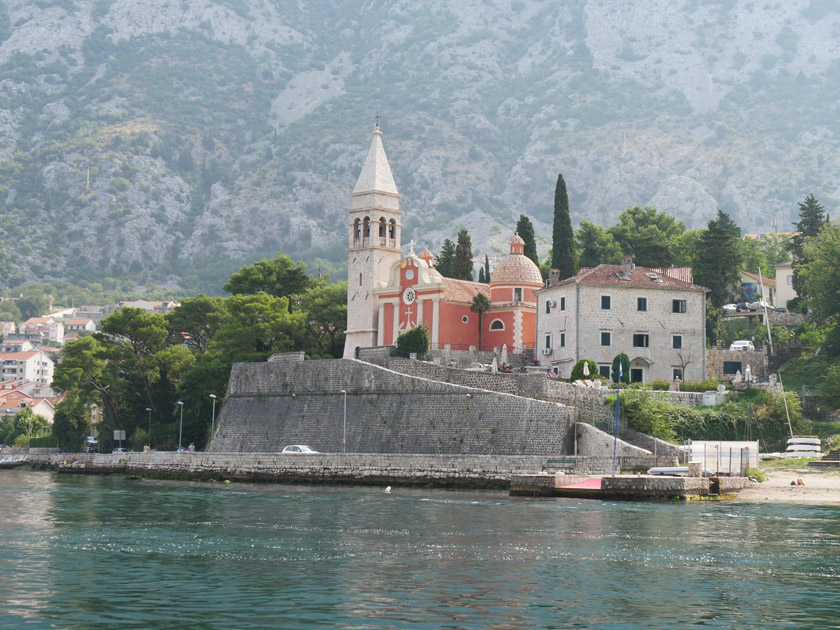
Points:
x=760, y=306
x=742, y=345
x=730, y=307
x=298, y=448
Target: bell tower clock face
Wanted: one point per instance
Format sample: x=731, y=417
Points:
x=409, y=296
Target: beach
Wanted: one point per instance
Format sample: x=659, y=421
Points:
x=820, y=488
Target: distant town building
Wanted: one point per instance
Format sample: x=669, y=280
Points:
x=784, y=284
x=750, y=288
x=32, y=365
x=7, y=328
x=43, y=327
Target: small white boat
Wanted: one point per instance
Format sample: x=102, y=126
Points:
x=804, y=439
x=804, y=446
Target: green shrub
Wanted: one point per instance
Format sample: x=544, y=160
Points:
x=48, y=441
x=415, y=340
x=699, y=386
x=661, y=385
x=625, y=368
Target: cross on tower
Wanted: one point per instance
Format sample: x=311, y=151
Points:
x=377, y=121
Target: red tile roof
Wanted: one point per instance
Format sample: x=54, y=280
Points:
x=611, y=275
x=463, y=290
x=768, y=282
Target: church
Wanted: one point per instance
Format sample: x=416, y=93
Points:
x=388, y=293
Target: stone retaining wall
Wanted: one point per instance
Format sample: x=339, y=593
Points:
x=757, y=360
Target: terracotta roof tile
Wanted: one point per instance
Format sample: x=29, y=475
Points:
x=611, y=275
x=768, y=282
x=463, y=290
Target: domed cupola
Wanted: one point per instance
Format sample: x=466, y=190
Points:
x=516, y=268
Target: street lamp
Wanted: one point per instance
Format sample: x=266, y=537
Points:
x=344, y=439
x=213, y=419
x=149, y=409
x=180, y=403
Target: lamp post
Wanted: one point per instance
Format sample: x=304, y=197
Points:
x=149, y=409
x=213, y=419
x=180, y=403
x=344, y=432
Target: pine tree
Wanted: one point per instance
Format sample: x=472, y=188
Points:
x=462, y=266
x=486, y=269
x=812, y=218
x=525, y=229
x=446, y=258
x=718, y=263
x=564, y=253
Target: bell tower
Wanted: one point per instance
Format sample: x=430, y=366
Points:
x=374, y=245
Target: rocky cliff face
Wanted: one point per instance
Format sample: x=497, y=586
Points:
x=174, y=141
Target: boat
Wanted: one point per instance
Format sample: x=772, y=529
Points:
x=804, y=446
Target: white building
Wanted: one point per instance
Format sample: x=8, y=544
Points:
x=33, y=366
x=784, y=283
x=657, y=320
x=44, y=327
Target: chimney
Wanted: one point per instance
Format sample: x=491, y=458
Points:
x=553, y=277
x=627, y=264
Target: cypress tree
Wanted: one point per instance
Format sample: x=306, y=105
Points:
x=525, y=229
x=481, y=275
x=718, y=263
x=462, y=267
x=486, y=269
x=812, y=218
x=446, y=258
x=564, y=252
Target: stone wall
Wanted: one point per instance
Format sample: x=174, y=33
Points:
x=271, y=405
x=757, y=360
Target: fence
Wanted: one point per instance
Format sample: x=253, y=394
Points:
x=723, y=458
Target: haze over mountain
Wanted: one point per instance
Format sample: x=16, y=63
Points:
x=174, y=141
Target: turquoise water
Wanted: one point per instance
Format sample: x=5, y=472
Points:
x=107, y=552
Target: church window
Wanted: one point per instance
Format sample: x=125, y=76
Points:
x=465, y=319
x=357, y=229
x=366, y=233
x=382, y=227
x=497, y=324
x=360, y=279
x=392, y=229
x=517, y=295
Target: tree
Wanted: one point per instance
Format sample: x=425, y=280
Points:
x=525, y=229
x=481, y=275
x=446, y=258
x=564, y=256
x=325, y=317
x=416, y=340
x=648, y=235
x=718, y=263
x=596, y=246
x=196, y=320
x=819, y=276
x=486, y=269
x=279, y=277
x=462, y=266
x=71, y=422
x=577, y=371
x=480, y=305
x=812, y=219
x=625, y=368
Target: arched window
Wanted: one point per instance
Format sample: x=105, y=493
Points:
x=366, y=232
x=497, y=324
x=392, y=229
x=382, y=227
x=357, y=229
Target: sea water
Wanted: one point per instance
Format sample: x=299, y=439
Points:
x=111, y=552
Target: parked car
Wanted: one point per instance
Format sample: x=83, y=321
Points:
x=120, y=450
x=781, y=309
x=760, y=305
x=743, y=344
x=298, y=448
x=730, y=307
x=742, y=307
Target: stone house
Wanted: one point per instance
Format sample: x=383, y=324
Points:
x=657, y=320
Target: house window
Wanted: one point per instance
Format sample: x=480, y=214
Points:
x=731, y=367
x=641, y=305
x=547, y=307
x=605, y=338
x=604, y=370
x=789, y=280
x=497, y=324
x=563, y=340
x=605, y=302
x=641, y=340
x=562, y=304
x=678, y=374
x=676, y=342
x=678, y=306
x=548, y=342
x=517, y=295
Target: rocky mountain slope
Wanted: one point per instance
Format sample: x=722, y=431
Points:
x=174, y=141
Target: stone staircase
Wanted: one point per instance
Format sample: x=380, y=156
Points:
x=830, y=460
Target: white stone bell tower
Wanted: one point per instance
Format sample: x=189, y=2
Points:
x=374, y=230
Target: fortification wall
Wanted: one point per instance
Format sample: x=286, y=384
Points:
x=271, y=405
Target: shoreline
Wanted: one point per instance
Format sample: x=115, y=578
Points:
x=822, y=488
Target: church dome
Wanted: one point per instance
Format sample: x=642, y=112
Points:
x=516, y=268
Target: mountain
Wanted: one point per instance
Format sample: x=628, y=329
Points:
x=173, y=141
